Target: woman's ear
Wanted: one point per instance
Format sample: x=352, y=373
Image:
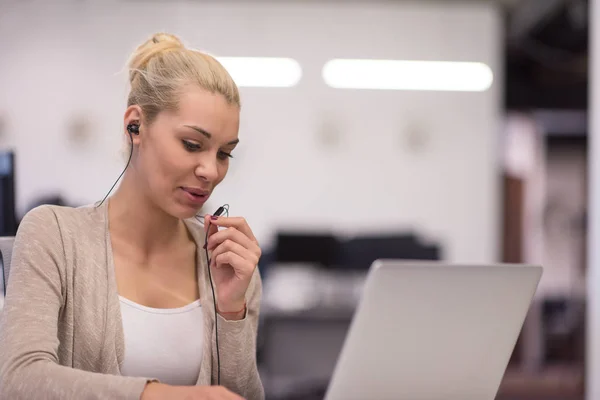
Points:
x=132, y=123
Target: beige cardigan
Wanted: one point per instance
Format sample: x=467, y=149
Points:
x=61, y=334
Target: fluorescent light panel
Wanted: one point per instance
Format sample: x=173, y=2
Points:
x=408, y=75
x=262, y=71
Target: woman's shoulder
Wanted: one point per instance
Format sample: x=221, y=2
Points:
x=72, y=219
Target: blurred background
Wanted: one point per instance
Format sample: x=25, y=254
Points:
x=466, y=140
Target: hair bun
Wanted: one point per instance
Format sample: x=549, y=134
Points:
x=157, y=45
x=168, y=38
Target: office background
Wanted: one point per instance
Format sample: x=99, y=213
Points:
x=478, y=171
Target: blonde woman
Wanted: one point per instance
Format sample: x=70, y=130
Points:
x=116, y=300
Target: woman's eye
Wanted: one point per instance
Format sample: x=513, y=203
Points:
x=224, y=155
x=190, y=146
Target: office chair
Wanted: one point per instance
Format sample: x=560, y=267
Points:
x=6, y=247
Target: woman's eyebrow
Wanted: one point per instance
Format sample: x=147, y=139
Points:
x=208, y=135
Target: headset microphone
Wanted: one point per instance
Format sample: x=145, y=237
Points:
x=220, y=210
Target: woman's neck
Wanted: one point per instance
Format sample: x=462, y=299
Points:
x=133, y=216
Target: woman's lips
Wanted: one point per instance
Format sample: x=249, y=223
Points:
x=195, y=195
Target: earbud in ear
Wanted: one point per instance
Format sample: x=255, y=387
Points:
x=133, y=129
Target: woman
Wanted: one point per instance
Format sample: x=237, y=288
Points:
x=114, y=300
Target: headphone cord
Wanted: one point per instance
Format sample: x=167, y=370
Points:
x=216, y=315
x=120, y=176
x=212, y=288
x=218, y=212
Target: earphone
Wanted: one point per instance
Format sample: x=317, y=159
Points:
x=134, y=129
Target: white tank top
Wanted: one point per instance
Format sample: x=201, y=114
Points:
x=165, y=344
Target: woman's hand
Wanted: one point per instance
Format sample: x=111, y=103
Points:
x=160, y=391
x=235, y=255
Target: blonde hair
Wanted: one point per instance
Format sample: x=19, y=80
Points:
x=161, y=68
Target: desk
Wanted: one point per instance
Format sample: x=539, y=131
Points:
x=298, y=351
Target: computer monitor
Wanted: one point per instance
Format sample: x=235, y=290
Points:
x=319, y=248
x=8, y=218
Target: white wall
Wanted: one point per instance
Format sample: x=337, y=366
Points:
x=593, y=273
x=61, y=60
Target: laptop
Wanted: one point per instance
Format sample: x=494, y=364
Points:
x=433, y=331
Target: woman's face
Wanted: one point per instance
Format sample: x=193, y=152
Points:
x=183, y=155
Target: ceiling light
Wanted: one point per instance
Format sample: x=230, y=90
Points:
x=262, y=71
x=408, y=75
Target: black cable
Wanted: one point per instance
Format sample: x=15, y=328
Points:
x=219, y=211
x=120, y=176
x=215, y=308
